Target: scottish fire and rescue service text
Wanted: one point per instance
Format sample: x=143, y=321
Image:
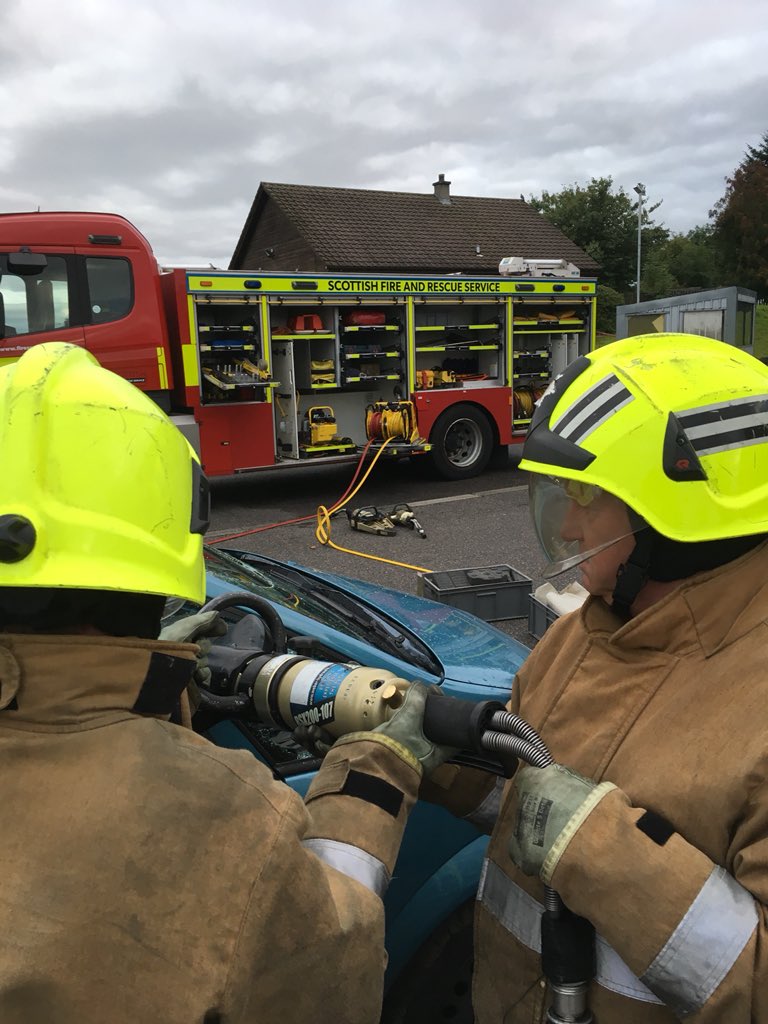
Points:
x=365, y=284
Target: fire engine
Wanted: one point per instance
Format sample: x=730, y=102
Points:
x=266, y=370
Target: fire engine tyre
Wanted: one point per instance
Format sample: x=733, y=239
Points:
x=437, y=984
x=462, y=442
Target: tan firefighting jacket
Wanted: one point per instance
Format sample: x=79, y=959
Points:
x=147, y=875
x=671, y=867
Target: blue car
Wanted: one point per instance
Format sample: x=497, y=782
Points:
x=334, y=618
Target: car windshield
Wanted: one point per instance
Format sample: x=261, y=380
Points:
x=290, y=587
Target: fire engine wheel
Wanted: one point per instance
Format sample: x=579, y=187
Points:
x=437, y=985
x=462, y=442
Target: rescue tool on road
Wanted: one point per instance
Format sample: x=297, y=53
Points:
x=447, y=367
x=369, y=519
x=403, y=515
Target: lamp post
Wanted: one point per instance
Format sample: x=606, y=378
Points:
x=640, y=189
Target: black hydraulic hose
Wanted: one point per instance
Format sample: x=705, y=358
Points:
x=516, y=746
x=530, y=749
x=450, y=721
x=225, y=705
x=567, y=941
x=505, y=721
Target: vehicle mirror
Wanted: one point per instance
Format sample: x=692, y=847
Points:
x=26, y=263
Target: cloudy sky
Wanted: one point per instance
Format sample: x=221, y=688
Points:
x=171, y=113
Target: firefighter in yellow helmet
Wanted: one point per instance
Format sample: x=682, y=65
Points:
x=649, y=471
x=146, y=874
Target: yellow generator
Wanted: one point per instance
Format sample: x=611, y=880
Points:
x=319, y=425
x=318, y=434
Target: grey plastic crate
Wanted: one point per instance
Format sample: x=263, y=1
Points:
x=490, y=592
x=540, y=617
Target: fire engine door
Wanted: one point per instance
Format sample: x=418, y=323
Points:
x=284, y=402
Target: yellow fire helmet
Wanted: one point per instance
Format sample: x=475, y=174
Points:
x=99, y=489
x=675, y=425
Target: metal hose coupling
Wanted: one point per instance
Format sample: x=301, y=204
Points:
x=568, y=1004
x=568, y=962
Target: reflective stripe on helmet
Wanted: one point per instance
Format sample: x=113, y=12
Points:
x=717, y=428
x=592, y=408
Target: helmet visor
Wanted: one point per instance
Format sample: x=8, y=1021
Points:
x=556, y=506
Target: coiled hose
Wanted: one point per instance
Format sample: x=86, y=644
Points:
x=512, y=735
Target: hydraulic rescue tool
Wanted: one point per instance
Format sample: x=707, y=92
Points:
x=370, y=520
x=286, y=690
x=403, y=515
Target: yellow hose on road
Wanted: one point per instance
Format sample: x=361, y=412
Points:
x=323, y=528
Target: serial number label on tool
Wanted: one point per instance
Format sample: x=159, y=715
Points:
x=313, y=693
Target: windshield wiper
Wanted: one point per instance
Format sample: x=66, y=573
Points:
x=353, y=610
x=402, y=644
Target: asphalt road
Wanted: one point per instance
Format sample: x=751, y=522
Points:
x=479, y=522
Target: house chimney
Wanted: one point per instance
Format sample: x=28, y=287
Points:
x=442, y=190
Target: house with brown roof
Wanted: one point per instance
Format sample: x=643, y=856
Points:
x=313, y=227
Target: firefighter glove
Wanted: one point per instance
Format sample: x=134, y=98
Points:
x=314, y=739
x=199, y=629
x=553, y=803
x=406, y=727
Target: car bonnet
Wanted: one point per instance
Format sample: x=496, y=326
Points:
x=473, y=653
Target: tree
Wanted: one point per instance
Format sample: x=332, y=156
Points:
x=684, y=261
x=603, y=221
x=657, y=279
x=741, y=223
x=607, y=301
x=691, y=258
x=759, y=153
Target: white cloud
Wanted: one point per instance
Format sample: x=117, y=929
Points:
x=173, y=113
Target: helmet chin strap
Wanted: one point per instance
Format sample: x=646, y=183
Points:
x=656, y=557
x=633, y=574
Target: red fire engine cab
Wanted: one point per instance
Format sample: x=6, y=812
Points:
x=266, y=370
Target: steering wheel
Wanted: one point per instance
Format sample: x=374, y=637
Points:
x=262, y=608
x=268, y=617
